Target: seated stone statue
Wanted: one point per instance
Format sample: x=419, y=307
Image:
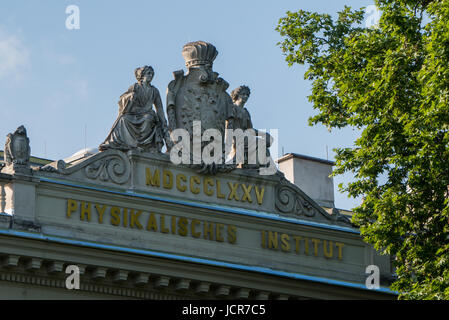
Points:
x=138, y=126
x=241, y=116
x=241, y=119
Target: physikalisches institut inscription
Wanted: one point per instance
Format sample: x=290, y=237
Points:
x=182, y=201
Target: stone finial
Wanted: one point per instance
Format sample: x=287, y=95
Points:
x=17, y=148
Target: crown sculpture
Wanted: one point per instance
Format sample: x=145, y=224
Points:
x=199, y=53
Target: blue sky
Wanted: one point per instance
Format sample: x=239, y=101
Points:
x=63, y=83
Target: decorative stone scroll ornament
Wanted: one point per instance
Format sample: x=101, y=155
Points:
x=138, y=126
x=17, y=148
x=110, y=165
x=291, y=200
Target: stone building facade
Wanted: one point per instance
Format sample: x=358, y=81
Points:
x=137, y=225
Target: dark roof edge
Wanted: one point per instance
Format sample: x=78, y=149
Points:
x=288, y=156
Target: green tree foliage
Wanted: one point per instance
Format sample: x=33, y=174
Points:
x=390, y=81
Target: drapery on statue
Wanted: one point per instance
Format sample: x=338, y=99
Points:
x=241, y=119
x=138, y=126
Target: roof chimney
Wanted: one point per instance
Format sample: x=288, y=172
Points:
x=311, y=175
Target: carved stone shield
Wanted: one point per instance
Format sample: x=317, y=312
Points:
x=199, y=96
x=206, y=103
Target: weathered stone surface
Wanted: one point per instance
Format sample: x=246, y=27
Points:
x=240, y=118
x=154, y=174
x=161, y=282
x=17, y=147
x=138, y=126
x=33, y=264
x=200, y=95
x=291, y=200
x=202, y=288
x=109, y=166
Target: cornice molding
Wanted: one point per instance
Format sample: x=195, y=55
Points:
x=44, y=272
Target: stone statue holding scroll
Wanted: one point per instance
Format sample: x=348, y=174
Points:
x=138, y=126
